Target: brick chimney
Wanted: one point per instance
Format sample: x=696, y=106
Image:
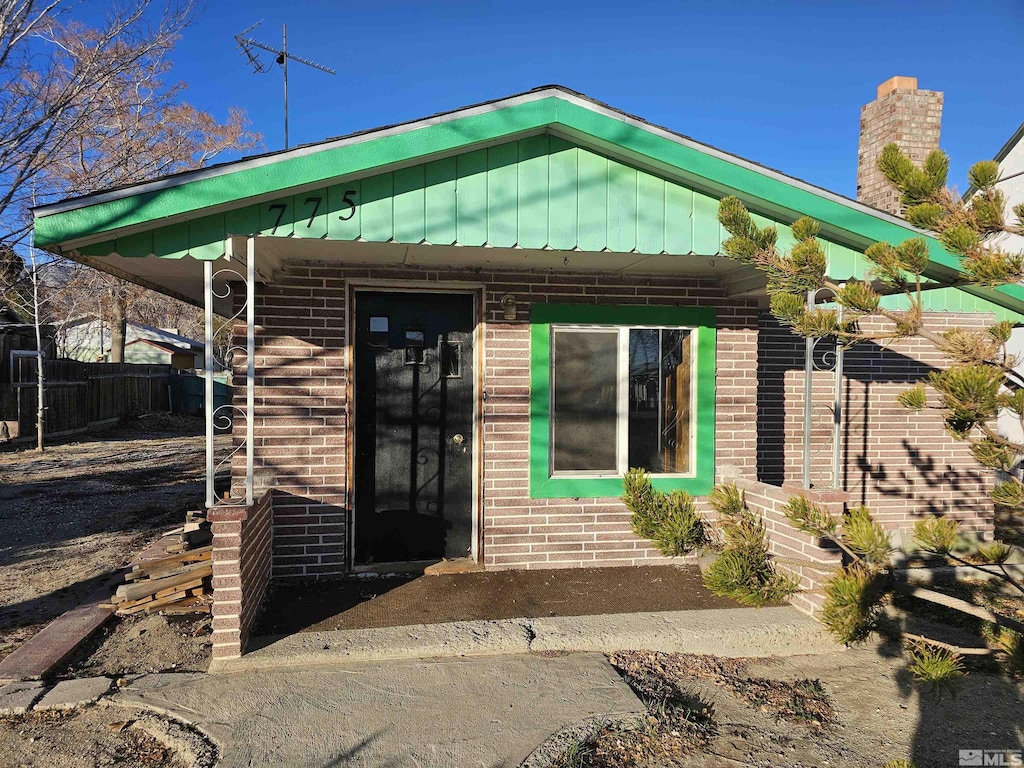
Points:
x=903, y=114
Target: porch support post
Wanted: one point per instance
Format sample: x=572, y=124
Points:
x=808, y=391
x=208, y=404
x=250, y=365
x=837, y=410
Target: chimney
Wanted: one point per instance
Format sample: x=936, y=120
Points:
x=903, y=114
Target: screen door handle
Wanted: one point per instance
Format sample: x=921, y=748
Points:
x=458, y=439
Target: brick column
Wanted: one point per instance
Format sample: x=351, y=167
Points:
x=242, y=538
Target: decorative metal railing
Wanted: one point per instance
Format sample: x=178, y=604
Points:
x=829, y=360
x=225, y=416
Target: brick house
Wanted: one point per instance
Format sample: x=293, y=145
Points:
x=460, y=331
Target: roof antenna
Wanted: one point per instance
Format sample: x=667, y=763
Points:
x=249, y=46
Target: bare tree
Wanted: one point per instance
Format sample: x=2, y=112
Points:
x=84, y=108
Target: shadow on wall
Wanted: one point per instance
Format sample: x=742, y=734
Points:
x=897, y=462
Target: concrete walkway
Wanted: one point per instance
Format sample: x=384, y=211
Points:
x=483, y=712
x=737, y=632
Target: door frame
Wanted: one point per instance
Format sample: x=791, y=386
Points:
x=476, y=290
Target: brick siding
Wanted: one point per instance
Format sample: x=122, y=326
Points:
x=302, y=413
x=901, y=464
x=242, y=538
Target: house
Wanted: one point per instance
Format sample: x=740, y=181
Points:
x=89, y=339
x=18, y=339
x=460, y=331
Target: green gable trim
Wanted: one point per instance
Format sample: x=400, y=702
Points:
x=766, y=192
x=542, y=316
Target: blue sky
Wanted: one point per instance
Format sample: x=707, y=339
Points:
x=779, y=82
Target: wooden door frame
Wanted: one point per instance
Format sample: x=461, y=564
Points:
x=476, y=290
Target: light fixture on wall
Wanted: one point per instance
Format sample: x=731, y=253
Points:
x=508, y=305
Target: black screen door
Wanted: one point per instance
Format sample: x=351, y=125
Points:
x=413, y=426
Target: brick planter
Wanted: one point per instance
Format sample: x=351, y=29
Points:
x=810, y=559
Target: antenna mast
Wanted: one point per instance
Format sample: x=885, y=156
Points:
x=251, y=50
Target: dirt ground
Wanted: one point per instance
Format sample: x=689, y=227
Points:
x=397, y=600
x=855, y=708
x=80, y=511
x=96, y=736
x=140, y=644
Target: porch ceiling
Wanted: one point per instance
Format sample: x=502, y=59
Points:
x=183, y=278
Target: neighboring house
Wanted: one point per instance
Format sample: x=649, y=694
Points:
x=467, y=327
x=18, y=339
x=1011, y=173
x=89, y=341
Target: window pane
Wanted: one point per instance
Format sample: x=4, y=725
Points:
x=659, y=400
x=583, y=388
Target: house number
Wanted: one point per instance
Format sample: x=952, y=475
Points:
x=347, y=200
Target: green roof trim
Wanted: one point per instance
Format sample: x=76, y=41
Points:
x=234, y=187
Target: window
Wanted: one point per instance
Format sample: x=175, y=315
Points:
x=620, y=398
x=620, y=387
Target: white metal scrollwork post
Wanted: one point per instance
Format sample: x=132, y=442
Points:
x=223, y=417
x=833, y=360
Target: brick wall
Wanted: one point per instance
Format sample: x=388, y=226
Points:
x=810, y=559
x=903, y=114
x=242, y=538
x=301, y=412
x=901, y=464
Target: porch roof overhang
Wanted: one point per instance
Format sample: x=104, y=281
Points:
x=551, y=178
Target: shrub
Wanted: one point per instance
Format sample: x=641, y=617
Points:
x=744, y=570
x=670, y=520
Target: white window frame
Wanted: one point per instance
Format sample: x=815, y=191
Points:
x=622, y=400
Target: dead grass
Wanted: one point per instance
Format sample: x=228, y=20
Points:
x=678, y=721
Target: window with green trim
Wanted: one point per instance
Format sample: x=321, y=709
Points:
x=620, y=387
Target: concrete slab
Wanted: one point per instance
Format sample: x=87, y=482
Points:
x=69, y=694
x=159, y=680
x=469, y=712
x=423, y=641
x=44, y=651
x=18, y=698
x=781, y=631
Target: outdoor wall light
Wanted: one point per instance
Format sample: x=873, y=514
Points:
x=508, y=305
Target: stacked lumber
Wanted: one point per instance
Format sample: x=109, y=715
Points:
x=177, y=580
x=195, y=533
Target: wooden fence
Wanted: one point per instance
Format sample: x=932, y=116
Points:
x=81, y=395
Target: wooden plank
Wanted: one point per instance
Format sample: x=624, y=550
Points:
x=410, y=225
x=345, y=203
x=650, y=217
x=503, y=195
x=136, y=591
x=533, y=192
x=471, y=198
x=593, y=202
x=440, y=203
x=678, y=219
x=378, y=219
x=622, y=207
x=563, y=188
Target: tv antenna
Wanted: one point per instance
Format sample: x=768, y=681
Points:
x=251, y=49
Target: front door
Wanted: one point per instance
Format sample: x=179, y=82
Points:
x=413, y=464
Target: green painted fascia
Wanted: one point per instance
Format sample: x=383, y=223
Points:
x=542, y=485
x=862, y=227
x=865, y=227
x=291, y=172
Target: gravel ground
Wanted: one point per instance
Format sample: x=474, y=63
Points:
x=81, y=510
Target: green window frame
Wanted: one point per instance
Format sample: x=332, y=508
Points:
x=542, y=317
